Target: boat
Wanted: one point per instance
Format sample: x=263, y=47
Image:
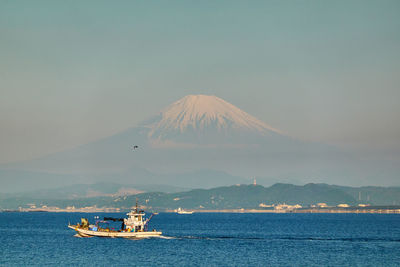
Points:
x=182, y=211
x=135, y=226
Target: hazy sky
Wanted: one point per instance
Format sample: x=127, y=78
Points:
x=76, y=71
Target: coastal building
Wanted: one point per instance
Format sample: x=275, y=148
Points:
x=262, y=205
x=281, y=207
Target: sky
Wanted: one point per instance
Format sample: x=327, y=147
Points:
x=75, y=71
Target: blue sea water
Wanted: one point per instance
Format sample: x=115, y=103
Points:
x=207, y=239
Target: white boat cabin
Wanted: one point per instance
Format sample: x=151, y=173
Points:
x=135, y=221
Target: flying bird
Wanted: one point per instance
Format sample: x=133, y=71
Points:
x=134, y=147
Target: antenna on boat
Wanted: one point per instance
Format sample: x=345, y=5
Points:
x=136, y=204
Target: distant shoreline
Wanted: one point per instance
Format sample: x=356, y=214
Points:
x=395, y=210
x=374, y=211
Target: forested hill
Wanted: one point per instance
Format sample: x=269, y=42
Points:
x=229, y=197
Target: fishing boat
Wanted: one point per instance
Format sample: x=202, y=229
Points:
x=182, y=211
x=135, y=226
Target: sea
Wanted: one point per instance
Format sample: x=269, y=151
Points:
x=206, y=239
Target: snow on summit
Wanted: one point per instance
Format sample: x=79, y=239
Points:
x=203, y=114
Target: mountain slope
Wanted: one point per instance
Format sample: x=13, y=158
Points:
x=200, y=133
x=43, y=184
x=196, y=132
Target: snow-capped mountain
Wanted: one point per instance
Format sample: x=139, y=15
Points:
x=203, y=119
x=201, y=112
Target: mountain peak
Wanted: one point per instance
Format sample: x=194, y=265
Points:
x=205, y=114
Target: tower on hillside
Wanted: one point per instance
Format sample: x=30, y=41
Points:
x=254, y=182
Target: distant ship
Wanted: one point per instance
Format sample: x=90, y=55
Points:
x=182, y=211
x=135, y=226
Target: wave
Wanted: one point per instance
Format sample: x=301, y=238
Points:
x=348, y=239
x=343, y=239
